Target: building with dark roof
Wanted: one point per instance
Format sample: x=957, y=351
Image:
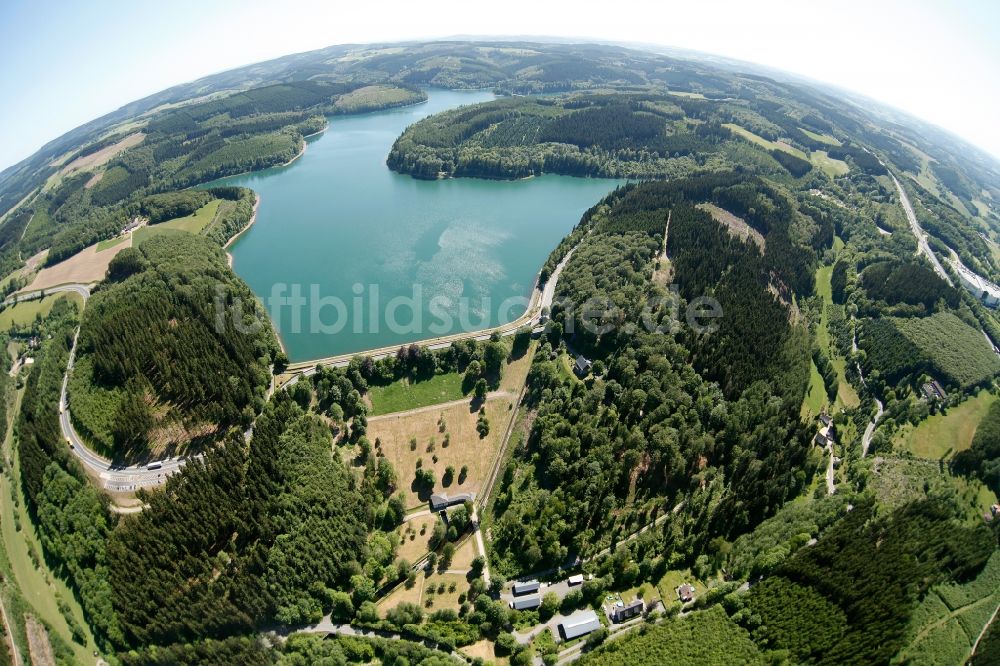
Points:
x=933, y=390
x=579, y=624
x=627, y=611
x=582, y=366
x=685, y=592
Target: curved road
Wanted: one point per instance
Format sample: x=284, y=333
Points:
x=118, y=478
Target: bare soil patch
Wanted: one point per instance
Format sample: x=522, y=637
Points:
x=101, y=156
x=737, y=226
x=84, y=267
x=38, y=642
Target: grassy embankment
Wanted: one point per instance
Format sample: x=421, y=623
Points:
x=940, y=436
x=24, y=313
x=816, y=398
x=192, y=224
x=31, y=587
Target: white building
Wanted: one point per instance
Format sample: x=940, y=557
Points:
x=981, y=288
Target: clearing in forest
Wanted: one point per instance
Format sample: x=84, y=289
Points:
x=737, y=226
x=430, y=425
x=101, y=156
x=942, y=435
x=86, y=266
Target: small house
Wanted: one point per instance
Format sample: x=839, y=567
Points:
x=582, y=366
x=933, y=390
x=685, y=592
x=526, y=587
x=579, y=624
x=627, y=611
x=575, y=580
x=526, y=603
x=825, y=419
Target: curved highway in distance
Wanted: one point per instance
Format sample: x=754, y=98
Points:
x=923, y=247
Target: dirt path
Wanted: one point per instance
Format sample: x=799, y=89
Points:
x=8, y=630
x=975, y=646
x=38, y=643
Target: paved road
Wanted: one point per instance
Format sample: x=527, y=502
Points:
x=866, y=441
x=115, y=478
x=480, y=546
x=82, y=289
x=922, y=246
x=328, y=626
x=831, y=488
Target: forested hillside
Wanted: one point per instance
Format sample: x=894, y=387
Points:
x=634, y=135
x=178, y=148
x=654, y=430
x=157, y=366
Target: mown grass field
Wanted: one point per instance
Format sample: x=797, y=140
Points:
x=942, y=435
x=86, y=266
x=40, y=588
x=824, y=138
x=24, y=313
x=454, y=586
x=764, y=143
x=465, y=447
x=193, y=224
x=816, y=396
x=111, y=242
x=833, y=167
x=404, y=394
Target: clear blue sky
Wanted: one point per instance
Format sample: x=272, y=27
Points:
x=65, y=63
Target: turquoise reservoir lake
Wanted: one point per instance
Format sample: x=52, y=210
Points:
x=349, y=256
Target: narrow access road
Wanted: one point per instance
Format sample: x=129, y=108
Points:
x=975, y=646
x=437, y=407
x=866, y=441
x=15, y=657
x=831, y=487
x=480, y=546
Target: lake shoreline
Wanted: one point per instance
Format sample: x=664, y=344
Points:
x=253, y=218
x=342, y=219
